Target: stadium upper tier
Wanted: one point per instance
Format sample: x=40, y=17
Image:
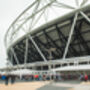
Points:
x=34, y=45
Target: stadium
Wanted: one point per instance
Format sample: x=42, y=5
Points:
x=36, y=41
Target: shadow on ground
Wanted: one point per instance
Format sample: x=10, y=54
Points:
x=51, y=87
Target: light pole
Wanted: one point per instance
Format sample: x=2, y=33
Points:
x=50, y=58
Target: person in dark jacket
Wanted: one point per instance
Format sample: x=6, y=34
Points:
x=12, y=79
x=6, y=80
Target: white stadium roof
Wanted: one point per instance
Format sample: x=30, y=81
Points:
x=73, y=68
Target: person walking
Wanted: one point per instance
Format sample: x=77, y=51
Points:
x=86, y=77
x=81, y=77
x=6, y=80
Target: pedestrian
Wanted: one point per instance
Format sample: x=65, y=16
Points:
x=86, y=77
x=6, y=80
x=3, y=77
x=12, y=79
x=81, y=77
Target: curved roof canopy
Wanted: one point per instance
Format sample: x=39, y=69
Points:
x=40, y=27
x=38, y=13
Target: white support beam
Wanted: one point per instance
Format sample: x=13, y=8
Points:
x=36, y=46
x=26, y=52
x=85, y=16
x=31, y=16
x=16, y=59
x=11, y=59
x=59, y=4
x=84, y=2
x=70, y=36
x=77, y=2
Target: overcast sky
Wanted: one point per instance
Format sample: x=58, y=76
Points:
x=9, y=10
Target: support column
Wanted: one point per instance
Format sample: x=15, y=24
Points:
x=26, y=53
x=85, y=16
x=11, y=59
x=36, y=46
x=41, y=68
x=77, y=2
x=16, y=59
x=70, y=36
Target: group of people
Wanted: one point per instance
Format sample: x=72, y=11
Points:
x=84, y=77
x=57, y=77
x=8, y=78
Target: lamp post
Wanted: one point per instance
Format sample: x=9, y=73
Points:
x=50, y=57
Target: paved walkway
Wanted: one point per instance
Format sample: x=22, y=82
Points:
x=74, y=86
x=82, y=86
x=67, y=86
x=44, y=85
x=23, y=86
x=51, y=87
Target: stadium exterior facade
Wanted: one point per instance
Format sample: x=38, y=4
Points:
x=64, y=41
